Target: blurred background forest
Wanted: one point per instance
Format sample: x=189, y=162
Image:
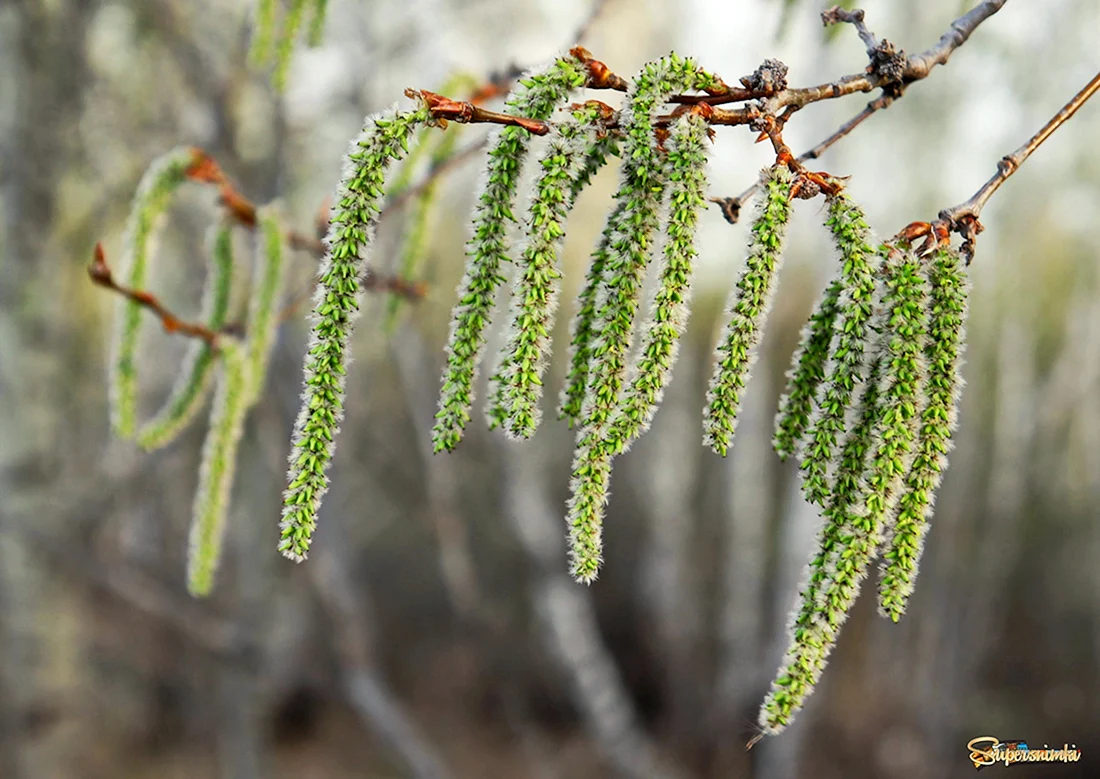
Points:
x=434, y=631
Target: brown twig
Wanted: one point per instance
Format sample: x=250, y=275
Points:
x=915, y=68
x=964, y=218
x=100, y=273
x=466, y=112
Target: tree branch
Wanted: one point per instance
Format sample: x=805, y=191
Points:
x=100, y=273
x=963, y=218
x=915, y=68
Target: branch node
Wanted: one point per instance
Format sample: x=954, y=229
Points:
x=766, y=80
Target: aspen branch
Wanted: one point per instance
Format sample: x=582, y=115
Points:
x=100, y=274
x=881, y=75
x=963, y=218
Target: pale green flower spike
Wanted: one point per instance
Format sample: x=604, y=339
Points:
x=635, y=219
x=948, y=293
x=518, y=394
x=604, y=144
x=859, y=507
x=284, y=47
x=317, y=24
x=806, y=373
x=154, y=193
x=195, y=378
x=583, y=327
x=571, y=400
x=219, y=455
x=267, y=287
x=259, y=53
x=336, y=300
x=747, y=309
x=414, y=249
x=536, y=97
x=852, y=237
x=687, y=182
x=812, y=631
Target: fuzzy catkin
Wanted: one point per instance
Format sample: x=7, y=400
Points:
x=269, y=271
x=583, y=328
x=159, y=184
x=197, y=372
x=806, y=373
x=947, y=305
x=284, y=46
x=536, y=97
x=813, y=627
x=219, y=455
x=337, y=298
x=846, y=352
x=874, y=459
x=747, y=309
x=317, y=23
x=263, y=32
x=686, y=161
x=518, y=393
x=629, y=250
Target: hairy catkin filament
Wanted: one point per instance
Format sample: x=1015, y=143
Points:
x=948, y=290
x=160, y=182
x=385, y=137
x=267, y=287
x=747, y=309
x=536, y=97
x=879, y=450
x=195, y=377
x=686, y=161
x=806, y=373
x=219, y=456
x=284, y=46
x=517, y=396
x=820, y=444
x=628, y=251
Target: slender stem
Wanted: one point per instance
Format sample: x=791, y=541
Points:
x=1010, y=163
x=917, y=67
x=100, y=273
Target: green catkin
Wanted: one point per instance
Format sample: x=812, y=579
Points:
x=583, y=327
x=948, y=293
x=812, y=633
x=416, y=243
x=269, y=271
x=536, y=97
x=317, y=23
x=629, y=249
x=284, y=47
x=747, y=309
x=259, y=53
x=219, y=457
x=337, y=298
x=415, y=247
x=812, y=629
x=519, y=379
x=846, y=353
x=605, y=144
x=806, y=373
x=154, y=193
x=686, y=165
x=195, y=378
x=859, y=507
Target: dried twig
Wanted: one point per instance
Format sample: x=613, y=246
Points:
x=915, y=68
x=963, y=218
x=100, y=273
